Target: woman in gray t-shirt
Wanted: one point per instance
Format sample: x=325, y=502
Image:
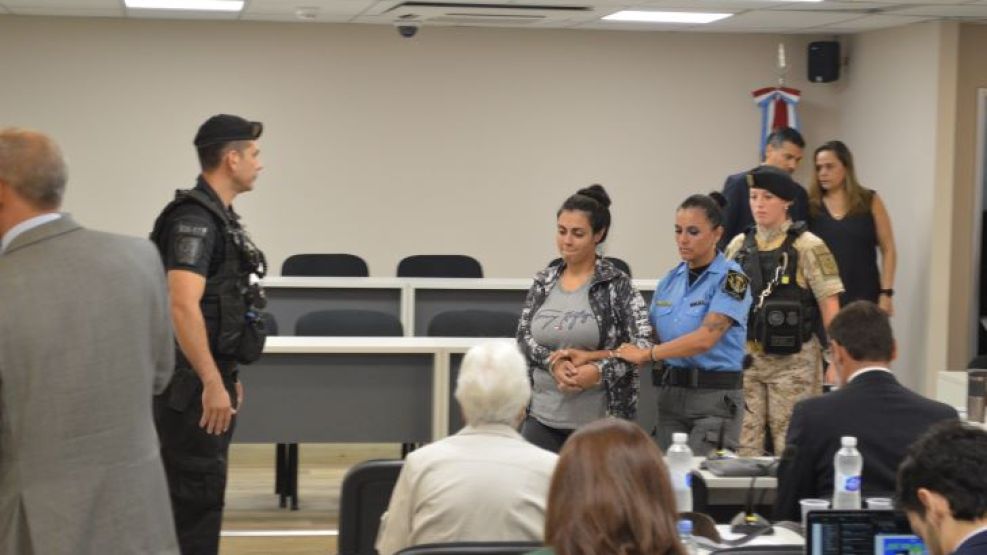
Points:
x=582, y=303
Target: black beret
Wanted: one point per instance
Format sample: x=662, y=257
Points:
x=773, y=180
x=225, y=128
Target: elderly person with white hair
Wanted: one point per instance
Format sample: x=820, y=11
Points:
x=485, y=483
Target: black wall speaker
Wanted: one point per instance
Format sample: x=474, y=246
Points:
x=824, y=61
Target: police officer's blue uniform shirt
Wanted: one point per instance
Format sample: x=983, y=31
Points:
x=678, y=309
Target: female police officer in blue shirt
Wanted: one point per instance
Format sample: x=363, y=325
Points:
x=699, y=312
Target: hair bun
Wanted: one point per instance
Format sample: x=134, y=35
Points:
x=597, y=193
x=719, y=198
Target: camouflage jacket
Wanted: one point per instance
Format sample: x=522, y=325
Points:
x=622, y=316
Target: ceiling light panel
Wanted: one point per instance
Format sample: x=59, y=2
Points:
x=788, y=20
x=186, y=5
x=90, y=4
x=666, y=17
x=731, y=6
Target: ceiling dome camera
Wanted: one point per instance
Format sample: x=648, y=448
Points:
x=407, y=29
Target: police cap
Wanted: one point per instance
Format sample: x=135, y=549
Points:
x=224, y=128
x=773, y=180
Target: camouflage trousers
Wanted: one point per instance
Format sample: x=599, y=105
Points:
x=772, y=386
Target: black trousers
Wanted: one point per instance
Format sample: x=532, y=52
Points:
x=546, y=437
x=195, y=462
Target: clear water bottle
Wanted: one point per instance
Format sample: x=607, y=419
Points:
x=679, y=459
x=847, y=465
x=689, y=544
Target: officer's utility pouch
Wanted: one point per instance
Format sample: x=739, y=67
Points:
x=252, y=340
x=779, y=327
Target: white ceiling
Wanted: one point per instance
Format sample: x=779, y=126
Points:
x=769, y=16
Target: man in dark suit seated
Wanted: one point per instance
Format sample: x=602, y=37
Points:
x=884, y=416
x=942, y=487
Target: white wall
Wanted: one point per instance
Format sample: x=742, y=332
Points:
x=460, y=140
x=890, y=117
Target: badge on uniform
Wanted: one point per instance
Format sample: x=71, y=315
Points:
x=827, y=262
x=188, y=248
x=736, y=284
x=189, y=242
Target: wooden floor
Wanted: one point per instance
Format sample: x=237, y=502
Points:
x=252, y=506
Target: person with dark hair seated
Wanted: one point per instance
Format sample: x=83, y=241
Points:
x=582, y=304
x=870, y=405
x=699, y=312
x=942, y=487
x=611, y=494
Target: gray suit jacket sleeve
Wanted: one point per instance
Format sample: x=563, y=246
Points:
x=163, y=340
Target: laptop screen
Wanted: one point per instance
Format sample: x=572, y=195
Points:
x=861, y=533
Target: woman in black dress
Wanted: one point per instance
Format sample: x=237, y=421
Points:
x=855, y=225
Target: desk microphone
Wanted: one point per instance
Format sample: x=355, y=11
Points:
x=720, y=452
x=748, y=521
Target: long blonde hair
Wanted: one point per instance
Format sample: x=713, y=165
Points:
x=858, y=198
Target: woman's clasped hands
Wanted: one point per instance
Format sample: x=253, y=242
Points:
x=573, y=370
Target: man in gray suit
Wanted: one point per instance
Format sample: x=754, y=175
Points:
x=85, y=342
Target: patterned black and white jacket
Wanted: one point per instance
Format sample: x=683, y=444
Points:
x=622, y=316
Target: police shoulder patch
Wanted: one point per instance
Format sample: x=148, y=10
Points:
x=827, y=262
x=188, y=249
x=736, y=284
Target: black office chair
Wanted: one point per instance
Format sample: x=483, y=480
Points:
x=270, y=324
x=365, y=493
x=440, y=266
x=337, y=265
x=620, y=264
x=471, y=548
x=473, y=323
x=349, y=323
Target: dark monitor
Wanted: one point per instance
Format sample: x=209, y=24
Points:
x=861, y=533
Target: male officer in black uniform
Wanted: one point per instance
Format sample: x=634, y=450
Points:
x=212, y=268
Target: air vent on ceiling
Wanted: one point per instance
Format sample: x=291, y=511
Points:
x=442, y=13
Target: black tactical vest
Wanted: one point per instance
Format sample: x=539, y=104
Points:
x=230, y=303
x=761, y=267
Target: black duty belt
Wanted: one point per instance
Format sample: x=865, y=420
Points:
x=697, y=378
